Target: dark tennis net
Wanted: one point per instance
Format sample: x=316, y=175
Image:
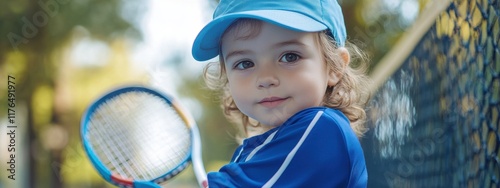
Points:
x=435, y=121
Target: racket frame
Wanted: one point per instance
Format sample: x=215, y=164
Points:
x=194, y=153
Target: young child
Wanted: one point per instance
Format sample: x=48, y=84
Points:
x=286, y=79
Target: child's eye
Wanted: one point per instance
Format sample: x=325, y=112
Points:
x=242, y=65
x=289, y=57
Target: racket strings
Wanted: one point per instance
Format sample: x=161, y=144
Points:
x=131, y=148
x=139, y=135
x=115, y=154
x=124, y=141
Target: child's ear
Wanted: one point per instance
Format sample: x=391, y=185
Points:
x=344, y=59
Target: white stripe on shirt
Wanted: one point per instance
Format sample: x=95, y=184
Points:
x=290, y=155
x=254, y=151
x=268, y=139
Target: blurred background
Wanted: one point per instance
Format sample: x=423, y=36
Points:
x=63, y=54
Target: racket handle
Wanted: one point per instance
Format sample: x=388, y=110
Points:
x=145, y=184
x=199, y=169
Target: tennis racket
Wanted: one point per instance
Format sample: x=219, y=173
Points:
x=138, y=137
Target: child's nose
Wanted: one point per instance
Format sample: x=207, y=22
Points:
x=267, y=77
x=268, y=82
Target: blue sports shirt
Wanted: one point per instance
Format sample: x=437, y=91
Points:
x=314, y=148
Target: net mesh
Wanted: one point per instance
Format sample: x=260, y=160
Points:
x=436, y=119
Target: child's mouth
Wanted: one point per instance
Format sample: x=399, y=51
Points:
x=271, y=102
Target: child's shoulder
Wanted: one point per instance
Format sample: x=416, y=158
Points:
x=323, y=121
x=326, y=114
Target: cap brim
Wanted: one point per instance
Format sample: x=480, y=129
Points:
x=206, y=44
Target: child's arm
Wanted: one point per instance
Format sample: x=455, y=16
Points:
x=316, y=148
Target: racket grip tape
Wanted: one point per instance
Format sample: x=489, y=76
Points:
x=131, y=183
x=122, y=181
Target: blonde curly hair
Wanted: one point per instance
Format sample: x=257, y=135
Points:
x=349, y=95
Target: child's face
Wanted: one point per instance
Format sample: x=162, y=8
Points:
x=275, y=74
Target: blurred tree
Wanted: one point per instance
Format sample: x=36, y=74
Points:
x=376, y=25
x=32, y=31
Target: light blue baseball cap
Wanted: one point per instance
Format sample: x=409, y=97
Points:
x=298, y=15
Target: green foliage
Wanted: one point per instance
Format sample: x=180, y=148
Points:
x=52, y=21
